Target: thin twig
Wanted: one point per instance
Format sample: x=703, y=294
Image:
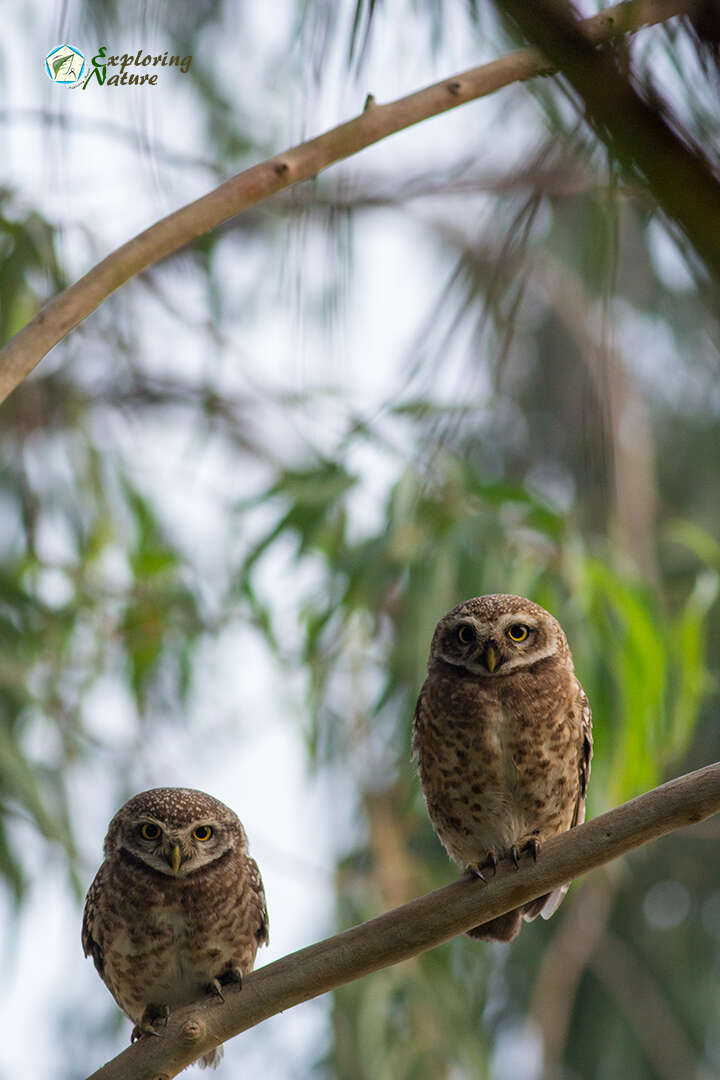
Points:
x=61, y=314
x=420, y=925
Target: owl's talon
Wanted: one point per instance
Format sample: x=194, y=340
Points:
x=490, y=862
x=530, y=843
x=474, y=870
x=213, y=987
x=154, y=1014
x=232, y=977
x=138, y=1032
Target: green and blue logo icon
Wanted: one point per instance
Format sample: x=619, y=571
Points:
x=65, y=64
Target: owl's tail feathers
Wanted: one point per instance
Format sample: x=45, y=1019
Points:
x=545, y=905
x=507, y=926
x=211, y=1060
x=504, y=928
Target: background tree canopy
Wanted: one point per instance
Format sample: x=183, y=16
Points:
x=478, y=357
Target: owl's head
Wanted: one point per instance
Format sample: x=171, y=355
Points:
x=175, y=831
x=496, y=635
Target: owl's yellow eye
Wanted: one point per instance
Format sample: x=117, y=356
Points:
x=465, y=634
x=517, y=632
x=203, y=832
x=150, y=831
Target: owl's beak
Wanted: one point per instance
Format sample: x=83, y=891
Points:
x=174, y=857
x=490, y=656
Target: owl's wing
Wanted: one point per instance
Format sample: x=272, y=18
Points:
x=547, y=906
x=91, y=947
x=256, y=887
x=418, y=720
x=586, y=751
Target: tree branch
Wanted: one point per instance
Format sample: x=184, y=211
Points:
x=420, y=925
x=61, y=314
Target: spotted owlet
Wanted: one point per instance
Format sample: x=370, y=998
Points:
x=177, y=908
x=503, y=739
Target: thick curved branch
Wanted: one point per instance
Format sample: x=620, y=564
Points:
x=61, y=314
x=420, y=925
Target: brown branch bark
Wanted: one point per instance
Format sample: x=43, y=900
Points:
x=61, y=314
x=415, y=927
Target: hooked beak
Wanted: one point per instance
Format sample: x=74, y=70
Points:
x=490, y=656
x=174, y=857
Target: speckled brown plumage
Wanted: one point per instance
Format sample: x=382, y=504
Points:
x=164, y=926
x=502, y=735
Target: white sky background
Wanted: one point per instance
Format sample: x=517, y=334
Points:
x=106, y=191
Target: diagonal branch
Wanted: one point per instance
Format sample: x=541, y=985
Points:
x=420, y=925
x=61, y=314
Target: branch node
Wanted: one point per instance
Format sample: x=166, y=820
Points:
x=281, y=167
x=192, y=1031
x=454, y=87
x=369, y=102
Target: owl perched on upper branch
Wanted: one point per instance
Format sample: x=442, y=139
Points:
x=177, y=908
x=503, y=739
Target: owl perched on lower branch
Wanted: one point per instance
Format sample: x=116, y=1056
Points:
x=503, y=739
x=177, y=908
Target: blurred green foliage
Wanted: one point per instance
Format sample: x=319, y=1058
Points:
x=453, y=535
